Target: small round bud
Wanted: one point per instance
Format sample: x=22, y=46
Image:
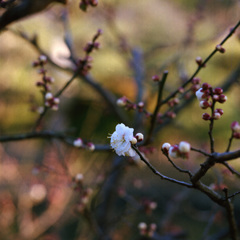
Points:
x=173, y=151
x=196, y=80
x=217, y=91
x=204, y=104
x=220, y=48
x=219, y=110
x=42, y=59
x=155, y=78
x=134, y=140
x=78, y=142
x=142, y=226
x=56, y=100
x=184, y=147
x=222, y=98
x=206, y=86
x=48, y=96
x=140, y=105
x=216, y=115
x=139, y=137
x=121, y=102
x=181, y=90
x=79, y=177
x=165, y=147
x=171, y=114
x=206, y=116
x=91, y=146
x=93, y=3
x=199, y=60
x=215, y=97
x=235, y=126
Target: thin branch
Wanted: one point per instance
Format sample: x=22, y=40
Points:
x=177, y=167
x=157, y=108
x=233, y=195
x=200, y=151
x=203, y=64
x=229, y=142
x=163, y=177
x=231, y=169
x=48, y=135
x=210, y=132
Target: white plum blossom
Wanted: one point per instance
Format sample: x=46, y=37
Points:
x=173, y=151
x=121, y=140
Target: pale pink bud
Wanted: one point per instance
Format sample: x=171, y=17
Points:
x=222, y=98
x=78, y=142
x=184, y=147
x=48, y=96
x=142, y=226
x=139, y=137
x=134, y=140
x=204, y=104
x=91, y=146
x=79, y=177
x=173, y=151
x=42, y=58
x=216, y=115
x=166, y=146
x=56, y=100
x=121, y=102
x=235, y=126
x=199, y=60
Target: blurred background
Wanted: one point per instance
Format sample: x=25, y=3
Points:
x=42, y=193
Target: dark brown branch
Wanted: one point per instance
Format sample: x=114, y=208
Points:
x=157, y=108
x=48, y=135
x=163, y=177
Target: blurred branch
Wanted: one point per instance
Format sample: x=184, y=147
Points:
x=104, y=93
x=48, y=135
x=157, y=108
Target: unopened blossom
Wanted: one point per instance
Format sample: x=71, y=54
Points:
x=173, y=151
x=139, y=137
x=165, y=147
x=184, y=147
x=121, y=140
x=78, y=142
x=235, y=126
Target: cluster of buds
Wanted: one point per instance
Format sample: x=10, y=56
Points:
x=85, y=3
x=84, y=64
x=85, y=193
x=78, y=143
x=195, y=84
x=207, y=97
x=51, y=101
x=147, y=230
x=175, y=101
x=128, y=105
x=235, y=126
x=179, y=150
